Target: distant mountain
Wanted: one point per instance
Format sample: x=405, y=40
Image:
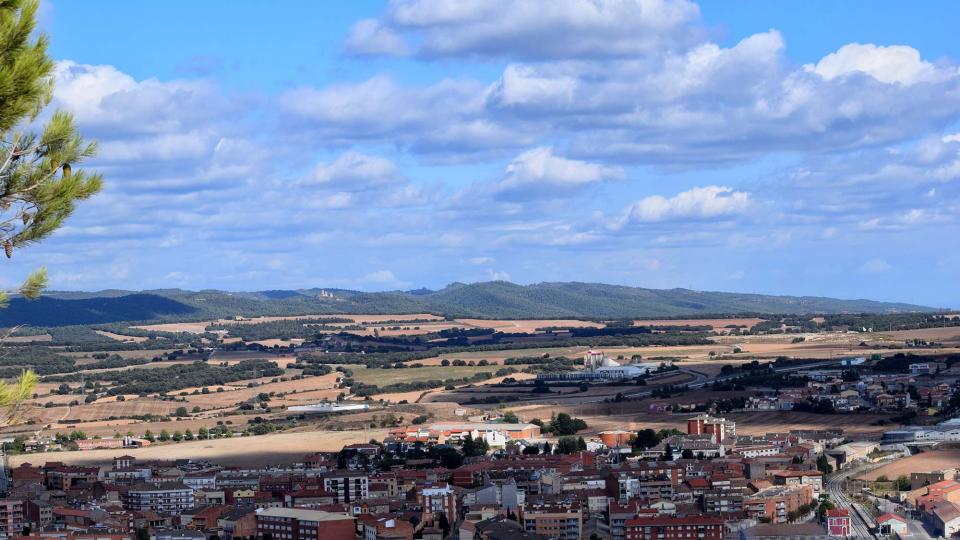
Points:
x=494, y=299
x=53, y=311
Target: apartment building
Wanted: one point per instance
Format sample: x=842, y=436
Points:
x=302, y=524
x=675, y=528
x=11, y=517
x=163, y=498
x=560, y=522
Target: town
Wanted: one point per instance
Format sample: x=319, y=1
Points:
x=494, y=474
x=479, y=270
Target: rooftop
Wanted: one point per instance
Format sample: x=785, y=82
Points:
x=303, y=514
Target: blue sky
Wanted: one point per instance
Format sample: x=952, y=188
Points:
x=805, y=148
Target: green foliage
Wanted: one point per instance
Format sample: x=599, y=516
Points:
x=490, y=300
x=646, y=438
x=567, y=445
x=38, y=186
x=284, y=329
x=475, y=447
x=823, y=465
x=903, y=483
x=166, y=379
x=12, y=395
x=564, y=424
x=40, y=359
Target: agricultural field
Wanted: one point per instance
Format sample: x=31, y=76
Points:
x=934, y=460
x=39, y=338
x=384, y=377
x=276, y=448
x=716, y=324
x=121, y=337
x=528, y=325
x=697, y=362
x=636, y=415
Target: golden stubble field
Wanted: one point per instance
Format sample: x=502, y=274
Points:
x=278, y=448
x=934, y=460
x=634, y=416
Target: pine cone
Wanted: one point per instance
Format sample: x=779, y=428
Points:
x=66, y=170
x=8, y=249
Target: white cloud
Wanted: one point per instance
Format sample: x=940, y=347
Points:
x=382, y=278
x=697, y=203
x=893, y=64
x=539, y=171
x=530, y=29
x=371, y=37
x=353, y=171
x=101, y=97
x=480, y=261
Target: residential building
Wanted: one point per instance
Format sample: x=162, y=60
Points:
x=555, y=521
x=675, y=528
x=302, y=524
x=164, y=498
x=11, y=517
x=838, y=523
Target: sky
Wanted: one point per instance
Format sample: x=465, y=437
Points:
x=803, y=148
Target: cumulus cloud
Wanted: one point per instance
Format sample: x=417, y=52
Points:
x=414, y=175
x=371, y=37
x=101, y=97
x=690, y=105
x=528, y=29
x=697, y=203
x=353, y=171
x=893, y=64
x=540, y=170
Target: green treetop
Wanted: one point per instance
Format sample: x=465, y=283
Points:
x=38, y=186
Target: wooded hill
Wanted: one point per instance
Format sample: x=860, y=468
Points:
x=495, y=299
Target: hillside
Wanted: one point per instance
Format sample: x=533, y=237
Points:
x=572, y=299
x=56, y=311
x=496, y=299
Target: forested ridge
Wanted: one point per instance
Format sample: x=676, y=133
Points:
x=495, y=299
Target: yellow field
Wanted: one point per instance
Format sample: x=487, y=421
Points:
x=275, y=448
x=934, y=460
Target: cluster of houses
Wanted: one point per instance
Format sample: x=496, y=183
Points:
x=870, y=392
x=708, y=483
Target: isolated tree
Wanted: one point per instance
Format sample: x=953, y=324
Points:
x=646, y=438
x=38, y=188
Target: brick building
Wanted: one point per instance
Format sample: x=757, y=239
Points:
x=301, y=524
x=675, y=528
